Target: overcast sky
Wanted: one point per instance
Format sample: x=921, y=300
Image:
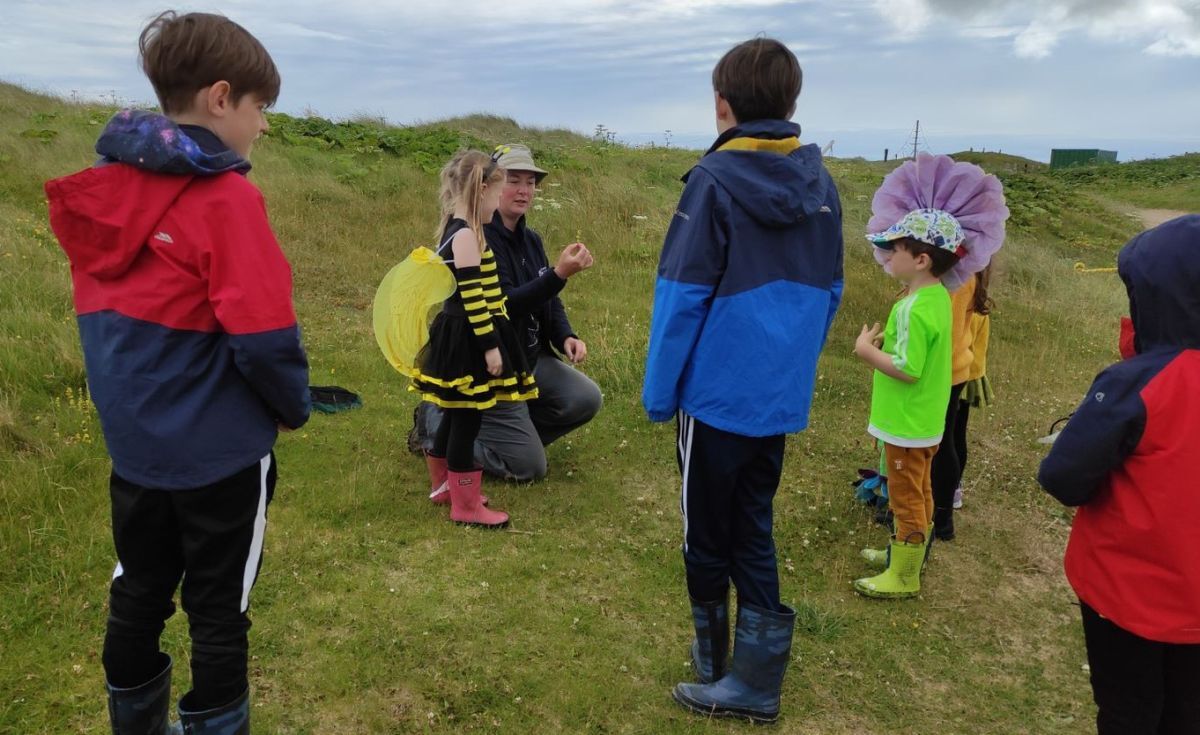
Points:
x=1019, y=76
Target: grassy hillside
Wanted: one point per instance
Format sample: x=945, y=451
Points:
x=374, y=614
x=1171, y=183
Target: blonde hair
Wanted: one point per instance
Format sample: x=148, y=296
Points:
x=463, y=179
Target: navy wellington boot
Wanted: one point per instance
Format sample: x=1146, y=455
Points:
x=751, y=689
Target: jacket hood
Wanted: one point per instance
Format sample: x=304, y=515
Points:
x=1161, y=271
x=104, y=216
x=776, y=189
x=152, y=142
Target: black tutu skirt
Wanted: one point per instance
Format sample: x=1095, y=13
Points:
x=451, y=372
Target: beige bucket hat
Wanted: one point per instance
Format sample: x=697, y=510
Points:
x=518, y=157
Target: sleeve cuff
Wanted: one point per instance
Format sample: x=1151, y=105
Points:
x=660, y=416
x=487, y=341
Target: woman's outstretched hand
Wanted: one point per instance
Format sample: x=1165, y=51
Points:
x=574, y=258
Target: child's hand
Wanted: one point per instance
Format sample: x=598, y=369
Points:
x=495, y=364
x=868, y=338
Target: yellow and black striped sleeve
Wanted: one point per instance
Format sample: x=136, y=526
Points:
x=490, y=281
x=471, y=290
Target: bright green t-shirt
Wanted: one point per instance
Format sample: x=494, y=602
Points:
x=919, y=338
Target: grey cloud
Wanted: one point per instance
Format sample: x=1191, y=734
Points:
x=1166, y=27
x=641, y=66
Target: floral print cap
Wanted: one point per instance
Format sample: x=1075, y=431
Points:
x=931, y=226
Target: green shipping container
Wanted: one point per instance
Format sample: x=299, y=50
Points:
x=1064, y=157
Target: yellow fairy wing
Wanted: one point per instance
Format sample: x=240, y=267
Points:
x=402, y=303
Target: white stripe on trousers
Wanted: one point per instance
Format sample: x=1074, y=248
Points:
x=260, y=527
x=686, y=426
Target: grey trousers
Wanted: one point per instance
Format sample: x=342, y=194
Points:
x=513, y=436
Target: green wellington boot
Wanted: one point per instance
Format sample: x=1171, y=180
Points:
x=879, y=558
x=902, y=578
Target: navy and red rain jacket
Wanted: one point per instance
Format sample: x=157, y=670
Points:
x=184, y=305
x=1127, y=457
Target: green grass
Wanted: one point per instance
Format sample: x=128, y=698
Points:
x=374, y=614
x=1170, y=183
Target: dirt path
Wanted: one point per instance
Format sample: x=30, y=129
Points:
x=1155, y=217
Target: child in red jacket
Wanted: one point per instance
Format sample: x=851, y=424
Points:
x=193, y=359
x=1127, y=459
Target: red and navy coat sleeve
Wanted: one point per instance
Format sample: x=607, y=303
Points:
x=1102, y=433
x=250, y=291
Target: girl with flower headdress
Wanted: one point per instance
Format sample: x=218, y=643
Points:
x=936, y=223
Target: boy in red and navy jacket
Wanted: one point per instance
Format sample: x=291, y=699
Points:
x=193, y=360
x=1127, y=459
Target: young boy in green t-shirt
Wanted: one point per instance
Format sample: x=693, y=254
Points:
x=912, y=361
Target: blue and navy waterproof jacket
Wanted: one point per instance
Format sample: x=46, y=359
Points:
x=184, y=304
x=749, y=281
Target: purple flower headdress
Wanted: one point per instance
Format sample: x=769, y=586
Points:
x=971, y=196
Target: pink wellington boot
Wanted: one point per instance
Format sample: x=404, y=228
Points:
x=466, y=504
x=439, y=491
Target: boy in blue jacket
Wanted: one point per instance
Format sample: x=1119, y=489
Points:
x=194, y=361
x=749, y=280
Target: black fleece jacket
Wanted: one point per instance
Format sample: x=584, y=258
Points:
x=531, y=286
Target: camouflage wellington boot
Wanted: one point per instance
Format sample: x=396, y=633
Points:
x=751, y=689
